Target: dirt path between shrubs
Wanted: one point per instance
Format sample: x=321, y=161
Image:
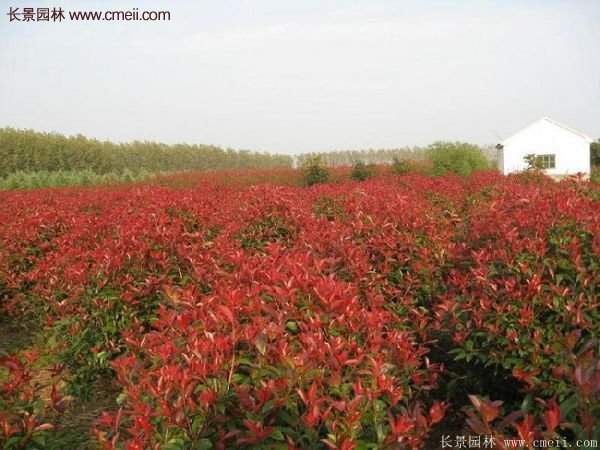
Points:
x=73, y=427
x=13, y=336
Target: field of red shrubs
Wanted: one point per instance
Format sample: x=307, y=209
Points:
x=391, y=313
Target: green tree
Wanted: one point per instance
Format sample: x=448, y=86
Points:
x=400, y=166
x=315, y=172
x=533, y=162
x=455, y=157
x=362, y=171
x=595, y=150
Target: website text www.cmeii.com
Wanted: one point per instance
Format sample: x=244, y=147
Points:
x=59, y=14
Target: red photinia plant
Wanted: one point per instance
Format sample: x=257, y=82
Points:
x=27, y=405
x=553, y=419
x=270, y=316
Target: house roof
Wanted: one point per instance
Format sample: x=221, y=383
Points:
x=553, y=122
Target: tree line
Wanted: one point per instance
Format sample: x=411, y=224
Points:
x=31, y=151
x=27, y=151
x=370, y=156
x=388, y=156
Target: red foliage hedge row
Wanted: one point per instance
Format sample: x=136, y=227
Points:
x=323, y=317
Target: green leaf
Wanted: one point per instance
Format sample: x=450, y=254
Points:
x=203, y=444
x=174, y=444
x=291, y=326
x=197, y=423
x=568, y=406
x=278, y=435
x=527, y=402
x=121, y=398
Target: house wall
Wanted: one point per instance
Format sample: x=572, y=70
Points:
x=572, y=151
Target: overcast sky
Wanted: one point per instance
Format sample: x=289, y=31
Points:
x=305, y=75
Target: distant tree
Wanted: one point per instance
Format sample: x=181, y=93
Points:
x=315, y=172
x=362, y=171
x=400, y=166
x=533, y=162
x=595, y=148
x=455, y=157
x=595, y=176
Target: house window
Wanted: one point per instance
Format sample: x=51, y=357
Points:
x=546, y=161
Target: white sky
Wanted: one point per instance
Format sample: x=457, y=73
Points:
x=292, y=76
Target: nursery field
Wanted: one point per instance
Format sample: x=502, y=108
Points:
x=401, y=312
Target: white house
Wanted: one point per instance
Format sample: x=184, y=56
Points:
x=561, y=150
